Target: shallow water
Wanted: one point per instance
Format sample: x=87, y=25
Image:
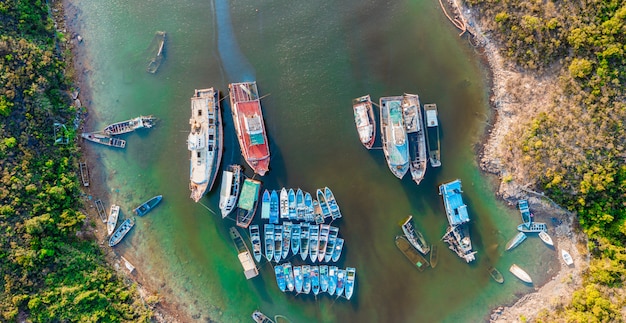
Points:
x=309, y=59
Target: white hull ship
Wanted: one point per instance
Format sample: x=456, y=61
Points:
x=229, y=191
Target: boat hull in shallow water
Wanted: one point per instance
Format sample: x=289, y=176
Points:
x=520, y=273
x=148, y=205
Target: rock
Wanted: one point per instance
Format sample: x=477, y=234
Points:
x=75, y=94
x=79, y=38
x=77, y=103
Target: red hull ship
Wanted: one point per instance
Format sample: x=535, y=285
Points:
x=248, y=119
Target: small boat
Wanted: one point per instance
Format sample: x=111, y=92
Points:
x=393, y=135
x=128, y=265
x=364, y=119
x=284, y=204
x=350, y=281
x=434, y=256
x=300, y=207
x=318, y=217
x=341, y=282
x=516, y=241
x=280, y=278
x=296, y=234
x=315, y=280
x=415, y=237
x=148, y=205
x=306, y=279
x=314, y=242
x=292, y=204
x=259, y=317
x=496, y=275
x=330, y=246
x=114, y=214
x=524, y=210
x=286, y=238
x=308, y=208
x=520, y=273
x=269, y=241
x=416, y=136
x=121, y=232
x=337, y=250
x=278, y=243
x=243, y=253
x=324, y=278
x=534, y=227
x=432, y=134
x=297, y=277
x=245, y=106
x=265, y=205
x=255, y=239
x=323, y=241
x=274, y=207
x=248, y=201
x=567, y=257
x=457, y=235
x=304, y=240
x=321, y=199
x=127, y=126
x=411, y=253
x=545, y=237
x=102, y=139
x=156, y=51
x=332, y=280
x=229, y=190
x=84, y=173
x=101, y=211
x=289, y=276
x=332, y=204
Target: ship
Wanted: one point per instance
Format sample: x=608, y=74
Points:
x=103, y=139
x=229, y=191
x=415, y=237
x=519, y=238
x=249, y=125
x=148, y=205
x=156, y=51
x=432, y=134
x=393, y=135
x=411, y=253
x=127, y=126
x=457, y=235
x=364, y=119
x=412, y=113
x=121, y=232
x=204, y=141
x=243, y=253
x=248, y=201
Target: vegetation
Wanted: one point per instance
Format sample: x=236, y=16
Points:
x=47, y=272
x=575, y=151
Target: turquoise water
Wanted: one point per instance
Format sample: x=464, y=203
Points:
x=309, y=59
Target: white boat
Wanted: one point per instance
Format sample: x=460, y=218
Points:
x=364, y=119
x=545, y=237
x=229, y=192
x=265, y=205
x=520, y=273
x=567, y=257
x=414, y=124
x=284, y=204
x=112, y=220
x=519, y=238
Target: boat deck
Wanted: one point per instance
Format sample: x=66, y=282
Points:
x=84, y=173
x=101, y=211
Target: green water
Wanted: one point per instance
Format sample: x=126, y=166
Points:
x=309, y=59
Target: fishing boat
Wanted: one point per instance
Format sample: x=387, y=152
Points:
x=102, y=139
x=330, y=246
x=520, y=273
x=434, y=256
x=315, y=280
x=350, y=281
x=432, y=134
x=332, y=204
x=280, y=277
x=286, y=238
x=297, y=277
x=516, y=241
x=414, y=236
x=364, y=119
x=393, y=135
x=291, y=194
x=341, y=282
x=284, y=204
x=114, y=214
x=306, y=279
x=308, y=207
x=269, y=241
x=121, y=232
x=130, y=125
x=204, y=141
x=545, y=237
x=148, y=205
x=278, y=243
x=457, y=235
x=300, y=207
x=304, y=240
x=288, y=271
x=255, y=239
x=324, y=278
x=84, y=173
x=534, y=227
x=337, y=250
x=314, y=232
x=321, y=199
x=411, y=253
x=296, y=234
x=274, y=207
x=323, y=241
x=496, y=275
x=248, y=119
x=524, y=210
x=259, y=317
x=265, y=205
x=229, y=191
x=567, y=258
x=128, y=265
x=249, y=267
x=332, y=280
x=101, y=211
x=414, y=123
x=318, y=217
x=156, y=51
x=248, y=201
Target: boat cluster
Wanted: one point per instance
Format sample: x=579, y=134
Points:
x=107, y=136
x=318, y=243
x=414, y=246
x=116, y=235
x=305, y=279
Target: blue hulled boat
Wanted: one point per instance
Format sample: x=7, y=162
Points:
x=296, y=234
x=304, y=240
x=350, y=281
x=323, y=241
x=341, y=281
x=332, y=280
x=337, y=250
x=297, y=277
x=332, y=204
x=314, y=232
x=265, y=205
x=315, y=280
x=255, y=239
x=274, y=207
x=286, y=238
x=148, y=205
x=292, y=204
x=289, y=276
x=278, y=243
x=269, y=241
x=324, y=278
x=280, y=277
x=330, y=246
x=300, y=208
x=308, y=207
x=306, y=278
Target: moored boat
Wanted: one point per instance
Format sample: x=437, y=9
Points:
x=300, y=207
x=259, y=317
x=434, y=256
x=332, y=280
x=304, y=240
x=323, y=241
x=496, y=275
x=204, y=141
x=364, y=119
x=350, y=281
x=534, y=227
x=284, y=204
x=338, y=249
x=567, y=258
x=102, y=139
x=524, y=210
x=269, y=241
x=101, y=211
x=308, y=207
x=297, y=277
x=393, y=135
x=292, y=204
x=243, y=253
x=127, y=126
x=248, y=201
x=121, y=232
x=114, y=214
x=156, y=51
x=274, y=207
x=432, y=134
x=314, y=232
x=296, y=235
x=341, y=282
x=457, y=235
x=330, y=246
x=286, y=238
x=414, y=123
x=265, y=205
x=411, y=253
x=280, y=277
x=248, y=120
x=255, y=239
x=318, y=217
x=315, y=280
x=520, y=273
x=516, y=241
x=324, y=278
x=306, y=279
x=414, y=236
x=148, y=205
x=278, y=243
x=229, y=191
x=289, y=276
x=321, y=199
x=545, y=237
x=332, y=204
